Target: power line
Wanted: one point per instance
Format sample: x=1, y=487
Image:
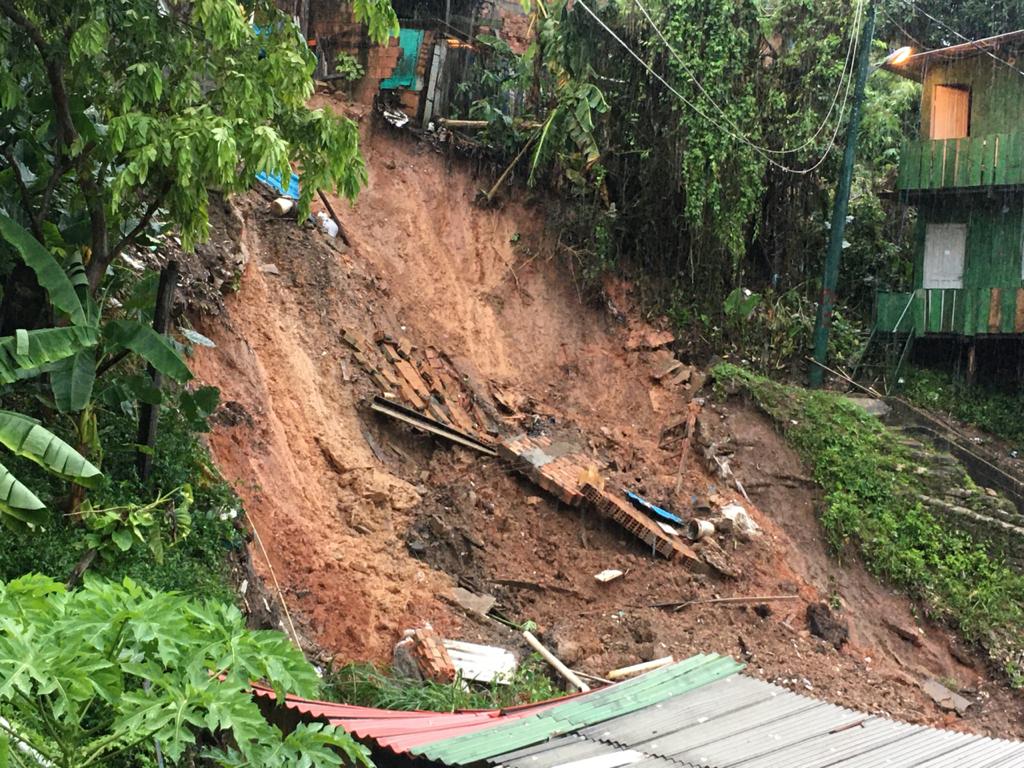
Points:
x=699, y=111
x=846, y=76
x=966, y=39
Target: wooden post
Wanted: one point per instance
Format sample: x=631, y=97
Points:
x=330, y=209
x=149, y=415
x=972, y=362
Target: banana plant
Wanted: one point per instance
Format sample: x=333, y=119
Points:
x=68, y=353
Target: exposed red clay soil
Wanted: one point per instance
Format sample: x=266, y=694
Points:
x=368, y=525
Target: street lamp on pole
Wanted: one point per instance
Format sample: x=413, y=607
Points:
x=823, y=321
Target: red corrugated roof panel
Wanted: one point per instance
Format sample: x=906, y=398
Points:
x=401, y=731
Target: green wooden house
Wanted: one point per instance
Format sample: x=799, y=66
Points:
x=965, y=175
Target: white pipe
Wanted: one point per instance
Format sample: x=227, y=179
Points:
x=636, y=669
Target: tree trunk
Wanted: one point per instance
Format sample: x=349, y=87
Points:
x=149, y=414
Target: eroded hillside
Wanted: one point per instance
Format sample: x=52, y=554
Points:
x=369, y=525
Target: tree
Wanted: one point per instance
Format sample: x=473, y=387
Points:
x=118, y=113
x=103, y=671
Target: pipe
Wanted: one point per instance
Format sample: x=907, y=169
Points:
x=551, y=659
x=636, y=669
x=697, y=529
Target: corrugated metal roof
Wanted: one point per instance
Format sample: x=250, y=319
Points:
x=400, y=731
x=583, y=711
x=739, y=722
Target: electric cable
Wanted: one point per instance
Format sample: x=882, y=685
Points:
x=847, y=74
x=702, y=113
x=966, y=39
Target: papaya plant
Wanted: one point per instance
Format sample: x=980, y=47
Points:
x=103, y=672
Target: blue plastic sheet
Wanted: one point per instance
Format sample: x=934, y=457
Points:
x=273, y=181
x=643, y=504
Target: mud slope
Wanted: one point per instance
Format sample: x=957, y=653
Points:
x=343, y=499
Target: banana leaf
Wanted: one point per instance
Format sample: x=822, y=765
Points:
x=153, y=347
x=30, y=350
x=27, y=437
x=18, y=505
x=49, y=272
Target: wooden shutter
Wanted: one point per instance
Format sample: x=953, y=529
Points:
x=951, y=112
x=944, y=248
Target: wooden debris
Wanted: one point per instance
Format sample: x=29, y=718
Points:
x=725, y=601
x=559, y=667
x=411, y=376
x=693, y=408
x=427, y=424
x=636, y=669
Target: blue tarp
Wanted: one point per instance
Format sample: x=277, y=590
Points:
x=273, y=181
x=644, y=504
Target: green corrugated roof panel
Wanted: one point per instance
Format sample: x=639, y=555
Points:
x=593, y=708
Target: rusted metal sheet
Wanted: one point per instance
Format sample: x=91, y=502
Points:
x=1018, y=318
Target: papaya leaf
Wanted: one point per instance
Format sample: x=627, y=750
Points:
x=18, y=505
x=27, y=437
x=48, y=271
x=26, y=351
x=153, y=347
x=72, y=379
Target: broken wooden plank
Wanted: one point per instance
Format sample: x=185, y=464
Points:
x=427, y=424
x=407, y=372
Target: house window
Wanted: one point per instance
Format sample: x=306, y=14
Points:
x=951, y=112
x=944, y=248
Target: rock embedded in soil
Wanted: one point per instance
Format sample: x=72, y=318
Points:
x=821, y=621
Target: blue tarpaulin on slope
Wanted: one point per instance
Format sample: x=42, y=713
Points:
x=273, y=181
x=404, y=75
x=645, y=505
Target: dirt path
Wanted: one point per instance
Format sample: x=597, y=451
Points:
x=368, y=526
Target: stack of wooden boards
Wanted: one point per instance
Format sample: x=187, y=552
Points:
x=424, y=380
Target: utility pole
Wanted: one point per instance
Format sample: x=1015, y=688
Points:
x=823, y=322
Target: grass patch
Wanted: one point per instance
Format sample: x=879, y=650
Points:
x=871, y=493
x=992, y=410
x=368, y=686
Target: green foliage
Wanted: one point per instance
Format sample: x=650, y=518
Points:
x=368, y=686
x=196, y=565
x=348, y=67
x=90, y=674
x=770, y=331
x=112, y=531
x=125, y=114
x=871, y=494
x=992, y=410
x=26, y=437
